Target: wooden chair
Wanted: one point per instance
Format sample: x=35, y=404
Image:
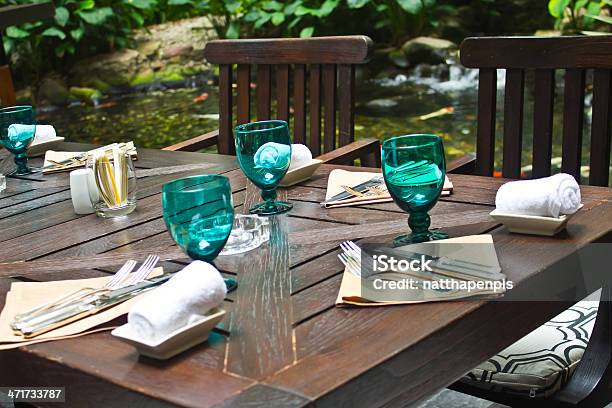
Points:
x=11, y=16
x=543, y=55
x=591, y=383
x=315, y=76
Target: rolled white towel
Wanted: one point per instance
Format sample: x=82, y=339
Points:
x=185, y=298
x=548, y=196
x=44, y=133
x=300, y=155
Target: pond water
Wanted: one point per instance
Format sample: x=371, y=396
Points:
x=428, y=100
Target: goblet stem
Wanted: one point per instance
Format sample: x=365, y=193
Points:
x=419, y=223
x=269, y=196
x=21, y=160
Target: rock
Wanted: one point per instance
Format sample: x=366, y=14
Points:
x=53, y=91
x=398, y=58
x=144, y=77
x=25, y=96
x=115, y=69
x=428, y=50
x=89, y=95
x=149, y=48
x=177, y=51
x=382, y=103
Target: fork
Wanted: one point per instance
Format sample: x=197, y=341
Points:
x=113, y=283
x=141, y=274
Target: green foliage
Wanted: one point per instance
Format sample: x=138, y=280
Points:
x=580, y=15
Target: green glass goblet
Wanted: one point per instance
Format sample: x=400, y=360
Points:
x=17, y=129
x=264, y=154
x=199, y=214
x=414, y=170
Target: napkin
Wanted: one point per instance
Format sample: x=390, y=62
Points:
x=25, y=296
x=185, y=298
x=338, y=178
x=55, y=156
x=548, y=196
x=43, y=134
x=478, y=248
x=300, y=155
x=272, y=155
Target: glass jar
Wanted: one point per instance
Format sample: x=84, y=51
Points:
x=115, y=181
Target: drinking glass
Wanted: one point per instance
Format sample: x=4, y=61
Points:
x=199, y=213
x=414, y=170
x=17, y=129
x=264, y=154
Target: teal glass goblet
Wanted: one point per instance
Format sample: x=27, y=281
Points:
x=199, y=214
x=264, y=153
x=414, y=170
x=17, y=129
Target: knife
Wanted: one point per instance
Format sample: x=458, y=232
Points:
x=78, y=310
x=360, y=188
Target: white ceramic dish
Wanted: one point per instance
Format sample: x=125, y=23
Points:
x=531, y=224
x=38, y=149
x=175, y=342
x=299, y=174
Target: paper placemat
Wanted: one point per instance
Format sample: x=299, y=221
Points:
x=25, y=296
x=351, y=288
x=339, y=177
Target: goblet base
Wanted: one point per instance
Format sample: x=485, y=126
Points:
x=271, y=208
x=407, y=239
x=23, y=172
x=231, y=284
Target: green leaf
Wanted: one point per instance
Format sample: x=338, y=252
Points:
x=556, y=8
x=580, y=4
x=144, y=4
x=15, y=32
x=262, y=20
x=61, y=16
x=77, y=34
x=278, y=18
x=307, y=32
x=328, y=7
x=357, y=3
x=232, y=6
x=233, y=31
x=272, y=6
x=54, y=32
x=138, y=18
x=411, y=6
x=87, y=4
x=179, y=2
x=96, y=16
x=603, y=19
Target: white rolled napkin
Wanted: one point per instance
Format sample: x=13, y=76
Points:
x=300, y=155
x=83, y=191
x=44, y=133
x=185, y=298
x=547, y=197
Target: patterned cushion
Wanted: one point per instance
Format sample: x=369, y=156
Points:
x=539, y=364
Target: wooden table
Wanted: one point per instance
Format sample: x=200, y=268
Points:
x=283, y=343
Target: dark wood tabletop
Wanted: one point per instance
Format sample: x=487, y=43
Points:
x=283, y=341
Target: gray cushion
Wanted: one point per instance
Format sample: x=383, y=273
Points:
x=541, y=363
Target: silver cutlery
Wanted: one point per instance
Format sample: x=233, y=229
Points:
x=62, y=309
x=114, y=283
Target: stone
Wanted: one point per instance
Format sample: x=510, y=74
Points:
x=144, y=77
x=149, y=48
x=115, y=69
x=177, y=51
x=382, y=103
x=428, y=50
x=53, y=91
x=89, y=95
x=398, y=58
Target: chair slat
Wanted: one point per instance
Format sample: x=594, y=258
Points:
x=282, y=92
x=346, y=101
x=244, y=94
x=573, y=118
x=315, y=109
x=226, y=140
x=329, y=107
x=263, y=92
x=543, y=108
x=600, y=130
x=299, y=104
x=513, y=122
x=485, y=138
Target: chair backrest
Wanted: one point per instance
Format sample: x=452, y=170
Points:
x=311, y=74
x=543, y=55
